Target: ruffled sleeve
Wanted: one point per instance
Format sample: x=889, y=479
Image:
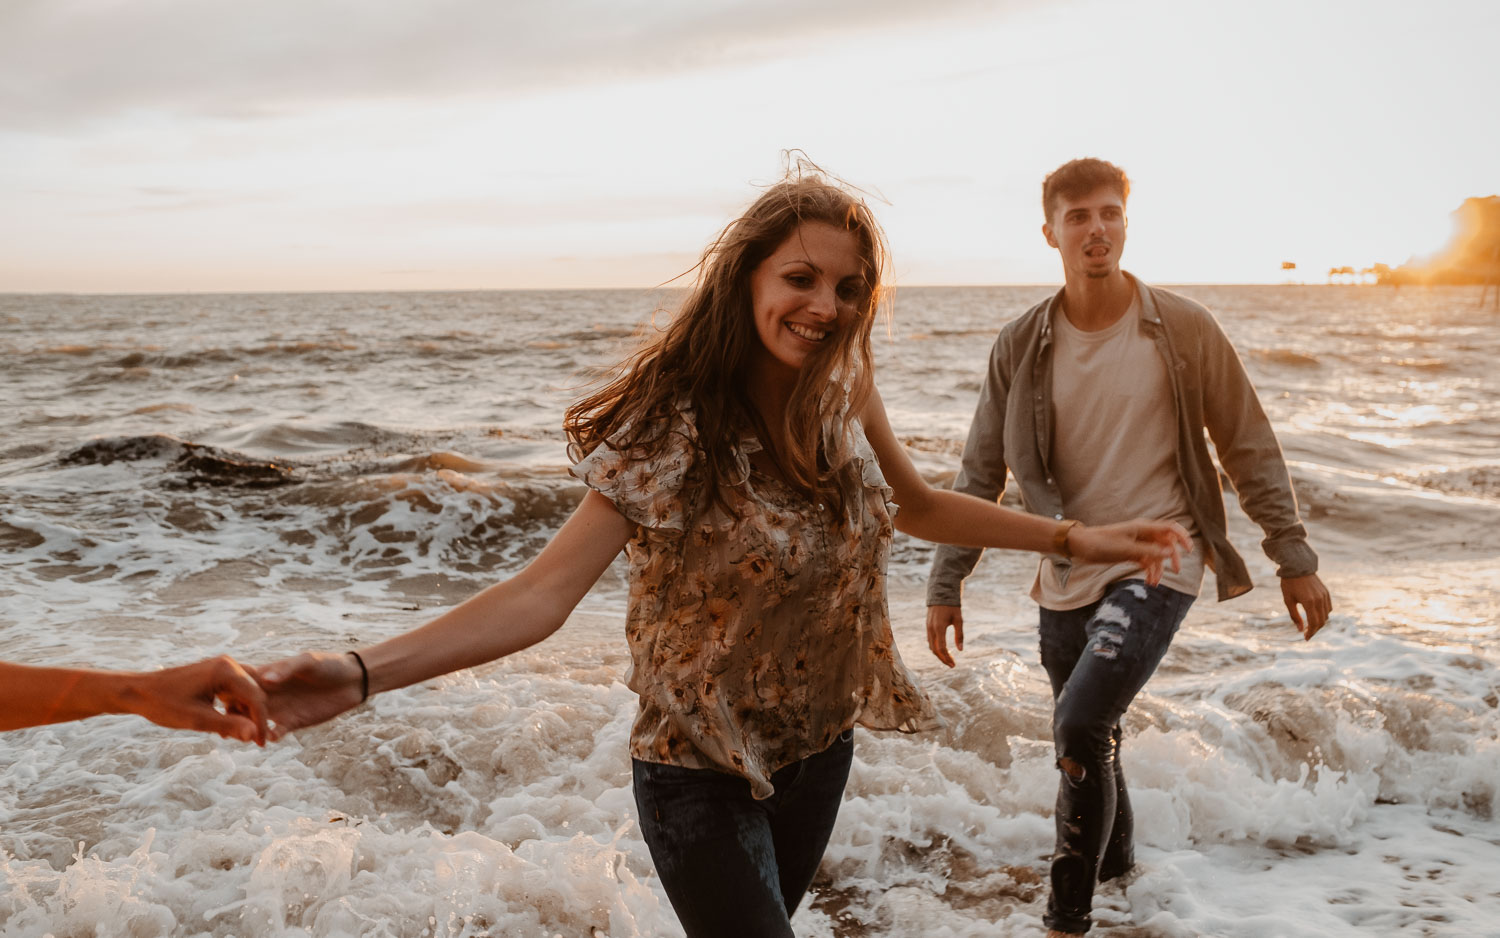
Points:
x=648, y=489
x=869, y=468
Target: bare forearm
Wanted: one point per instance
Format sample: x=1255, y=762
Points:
x=36, y=696
x=493, y=623
x=949, y=517
x=312, y=687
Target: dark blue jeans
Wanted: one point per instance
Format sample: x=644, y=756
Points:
x=731, y=865
x=1098, y=658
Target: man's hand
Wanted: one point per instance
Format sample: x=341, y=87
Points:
x=308, y=689
x=1312, y=596
x=939, y=618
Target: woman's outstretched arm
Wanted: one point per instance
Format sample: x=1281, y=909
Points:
x=180, y=698
x=949, y=517
x=499, y=620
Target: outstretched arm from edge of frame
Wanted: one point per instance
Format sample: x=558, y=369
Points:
x=179, y=698
x=949, y=517
x=504, y=618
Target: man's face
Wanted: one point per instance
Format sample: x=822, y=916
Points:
x=1089, y=232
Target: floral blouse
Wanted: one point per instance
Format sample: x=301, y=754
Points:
x=754, y=641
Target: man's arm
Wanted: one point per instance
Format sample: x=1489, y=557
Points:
x=981, y=474
x=1252, y=458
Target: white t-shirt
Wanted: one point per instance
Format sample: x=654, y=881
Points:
x=1114, y=450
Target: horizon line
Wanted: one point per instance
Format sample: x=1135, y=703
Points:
x=658, y=288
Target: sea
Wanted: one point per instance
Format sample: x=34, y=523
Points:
x=188, y=475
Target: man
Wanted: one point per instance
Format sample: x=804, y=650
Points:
x=1096, y=400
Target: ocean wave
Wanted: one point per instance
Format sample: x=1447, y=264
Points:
x=156, y=358
x=606, y=331
x=17, y=538
x=303, y=438
x=23, y=451
x=1422, y=364
x=986, y=331
x=1366, y=510
x=106, y=377
x=456, y=462
x=45, y=419
x=440, y=519
x=426, y=539
x=1383, y=727
x=314, y=348
x=1285, y=356
x=166, y=406
x=1474, y=480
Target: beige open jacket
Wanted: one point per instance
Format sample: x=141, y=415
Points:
x=1012, y=429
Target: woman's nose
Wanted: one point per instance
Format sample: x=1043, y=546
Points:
x=824, y=303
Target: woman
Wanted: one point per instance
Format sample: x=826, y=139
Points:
x=745, y=463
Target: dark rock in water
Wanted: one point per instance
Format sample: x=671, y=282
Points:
x=212, y=467
x=102, y=452
x=201, y=465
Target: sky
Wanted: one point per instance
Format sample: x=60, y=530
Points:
x=286, y=145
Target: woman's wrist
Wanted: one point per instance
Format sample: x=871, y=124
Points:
x=364, y=676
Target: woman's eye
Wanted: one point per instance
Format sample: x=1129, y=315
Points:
x=799, y=280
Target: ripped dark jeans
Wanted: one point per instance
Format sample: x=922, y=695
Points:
x=1098, y=658
x=731, y=865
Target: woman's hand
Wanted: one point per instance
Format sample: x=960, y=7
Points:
x=1152, y=544
x=310, y=688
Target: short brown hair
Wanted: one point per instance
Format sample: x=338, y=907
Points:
x=1077, y=178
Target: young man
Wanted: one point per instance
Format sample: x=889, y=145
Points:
x=1097, y=400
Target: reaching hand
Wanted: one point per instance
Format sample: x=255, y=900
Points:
x=183, y=698
x=1309, y=593
x=308, y=689
x=1152, y=544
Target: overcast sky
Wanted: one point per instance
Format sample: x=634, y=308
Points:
x=183, y=145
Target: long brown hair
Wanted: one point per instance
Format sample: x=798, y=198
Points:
x=703, y=354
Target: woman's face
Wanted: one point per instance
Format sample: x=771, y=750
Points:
x=810, y=287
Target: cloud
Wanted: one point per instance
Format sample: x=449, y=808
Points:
x=511, y=212
x=65, y=61
x=151, y=199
